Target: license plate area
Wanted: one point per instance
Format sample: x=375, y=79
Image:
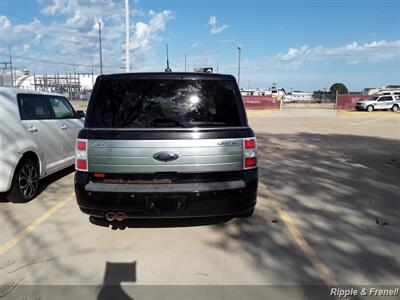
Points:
x=161, y=204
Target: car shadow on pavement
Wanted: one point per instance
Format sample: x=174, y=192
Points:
x=159, y=223
x=45, y=182
x=342, y=192
x=114, y=275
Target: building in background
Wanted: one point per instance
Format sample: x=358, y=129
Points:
x=7, y=78
x=255, y=92
x=298, y=96
x=273, y=91
x=77, y=86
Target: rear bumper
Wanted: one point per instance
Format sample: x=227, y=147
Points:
x=205, y=199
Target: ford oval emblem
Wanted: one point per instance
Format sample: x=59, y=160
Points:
x=165, y=156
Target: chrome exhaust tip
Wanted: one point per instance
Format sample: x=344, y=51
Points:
x=110, y=216
x=120, y=216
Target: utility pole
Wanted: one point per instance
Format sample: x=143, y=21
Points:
x=167, y=69
x=92, y=77
x=100, y=50
x=127, y=63
x=217, y=67
x=291, y=93
x=238, y=79
x=336, y=98
x=185, y=61
x=5, y=63
x=11, y=66
x=34, y=80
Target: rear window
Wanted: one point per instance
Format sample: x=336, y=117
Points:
x=155, y=103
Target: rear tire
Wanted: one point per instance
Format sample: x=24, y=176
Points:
x=395, y=108
x=246, y=214
x=25, y=183
x=370, y=108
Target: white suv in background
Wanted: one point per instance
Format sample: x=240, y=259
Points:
x=379, y=102
x=37, y=138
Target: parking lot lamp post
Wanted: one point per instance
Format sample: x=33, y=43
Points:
x=100, y=51
x=238, y=77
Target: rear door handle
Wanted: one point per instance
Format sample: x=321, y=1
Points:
x=64, y=127
x=32, y=129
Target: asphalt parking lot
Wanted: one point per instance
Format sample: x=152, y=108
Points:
x=328, y=214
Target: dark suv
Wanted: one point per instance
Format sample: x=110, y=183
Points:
x=166, y=145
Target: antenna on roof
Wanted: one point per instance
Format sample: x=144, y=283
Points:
x=167, y=69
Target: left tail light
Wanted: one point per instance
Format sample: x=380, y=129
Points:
x=250, y=153
x=81, y=162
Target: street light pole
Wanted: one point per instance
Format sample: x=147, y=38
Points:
x=238, y=79
x=127, y=36
x=100, y=50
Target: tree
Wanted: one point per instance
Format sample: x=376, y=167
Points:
x=323, y=96
x=339, y=87
x=318, y=95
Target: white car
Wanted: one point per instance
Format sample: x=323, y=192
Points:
x=380, y=102
x=37, y=138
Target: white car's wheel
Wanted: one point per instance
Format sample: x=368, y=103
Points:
x=25, y=182
x=395, y=108
x=370, y=108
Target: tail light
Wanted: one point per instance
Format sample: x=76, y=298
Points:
x=81, y=163
x=250, y=153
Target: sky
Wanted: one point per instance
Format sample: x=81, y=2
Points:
x=304, y=45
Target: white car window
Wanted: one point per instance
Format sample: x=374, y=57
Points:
x=34, y=107
x=61, y=108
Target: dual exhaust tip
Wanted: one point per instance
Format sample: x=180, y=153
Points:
x=116, y=216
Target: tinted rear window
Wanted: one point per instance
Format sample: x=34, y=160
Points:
x=155, y=103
